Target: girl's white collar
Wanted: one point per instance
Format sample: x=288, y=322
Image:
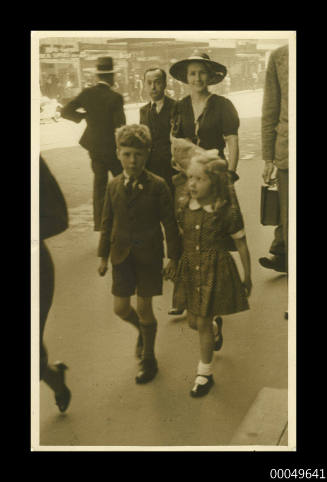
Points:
x=194, y=204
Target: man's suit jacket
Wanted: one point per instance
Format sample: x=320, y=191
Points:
x=131, y=224
x=159, y=161
x=104, y=113
x=275, y=109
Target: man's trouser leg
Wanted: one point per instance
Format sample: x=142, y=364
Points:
x=100, y=169
x=101, y=164
x=277, y=246
x=282, y=175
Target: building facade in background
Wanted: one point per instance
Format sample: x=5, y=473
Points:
x=67, y=65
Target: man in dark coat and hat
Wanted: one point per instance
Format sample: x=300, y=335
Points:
x=104, y=112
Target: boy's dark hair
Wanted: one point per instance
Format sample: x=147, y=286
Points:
x=163, y=73
x=109, y=78
x=134, y=135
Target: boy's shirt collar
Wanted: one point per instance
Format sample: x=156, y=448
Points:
x=136, y=181
x=127, y=177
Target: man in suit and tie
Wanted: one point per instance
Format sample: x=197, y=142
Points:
x=157, y=115
x=104, y=112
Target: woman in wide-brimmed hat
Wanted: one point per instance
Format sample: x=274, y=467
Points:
x=207, y=119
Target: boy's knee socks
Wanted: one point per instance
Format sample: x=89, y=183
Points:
x=148, y=335
x=133, y=318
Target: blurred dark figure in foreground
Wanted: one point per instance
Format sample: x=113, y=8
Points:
x=53, y=220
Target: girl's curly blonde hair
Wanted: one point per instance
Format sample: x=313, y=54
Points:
x=216, y=170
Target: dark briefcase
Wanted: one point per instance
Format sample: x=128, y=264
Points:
x=269, y=215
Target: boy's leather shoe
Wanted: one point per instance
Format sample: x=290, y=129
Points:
x=148, y=370
x=276, y=262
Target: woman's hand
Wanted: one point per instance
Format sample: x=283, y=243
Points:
x=103, y=268
x=247, y=283
x=169, y=272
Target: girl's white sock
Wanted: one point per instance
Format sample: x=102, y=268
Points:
x=204, y=368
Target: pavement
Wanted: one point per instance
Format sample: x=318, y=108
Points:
x=108, y=409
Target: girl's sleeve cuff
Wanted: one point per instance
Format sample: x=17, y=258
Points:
x=240, y=234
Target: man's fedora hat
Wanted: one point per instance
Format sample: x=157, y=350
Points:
x=105, y=65
x=179, y=69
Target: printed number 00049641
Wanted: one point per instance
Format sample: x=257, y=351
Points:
x=305, y=474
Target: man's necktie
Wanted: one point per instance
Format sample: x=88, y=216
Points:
x=154, y=109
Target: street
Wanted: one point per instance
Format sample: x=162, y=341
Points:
x=108, y=408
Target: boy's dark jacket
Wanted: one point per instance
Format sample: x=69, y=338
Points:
x=132, y=224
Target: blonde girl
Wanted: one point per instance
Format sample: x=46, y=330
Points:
x=207, y=282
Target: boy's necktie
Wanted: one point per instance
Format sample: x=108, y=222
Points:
x=129, y=186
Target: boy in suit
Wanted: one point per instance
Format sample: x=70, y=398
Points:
x=157, y=115
x=136, y=202
x=104, y=112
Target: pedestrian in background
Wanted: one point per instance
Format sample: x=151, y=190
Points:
x=207, y=282
x=139, y=88
x=104, y=112
x=275, y=150
x=53, y=220
x=157, y=115
x=136, y=202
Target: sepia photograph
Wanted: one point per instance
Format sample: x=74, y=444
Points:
x=163, y=241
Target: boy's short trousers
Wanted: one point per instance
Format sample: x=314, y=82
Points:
x=130, y=276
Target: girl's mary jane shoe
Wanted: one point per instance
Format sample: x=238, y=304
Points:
x=202, y=385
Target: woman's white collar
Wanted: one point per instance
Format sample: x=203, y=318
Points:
x=194, y=204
